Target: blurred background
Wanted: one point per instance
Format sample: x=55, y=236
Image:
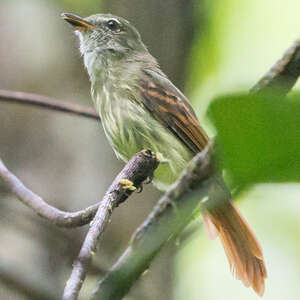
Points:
x=207, y=48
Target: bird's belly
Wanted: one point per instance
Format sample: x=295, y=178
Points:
x=130, y=129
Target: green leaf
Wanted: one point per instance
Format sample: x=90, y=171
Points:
x=258, y=137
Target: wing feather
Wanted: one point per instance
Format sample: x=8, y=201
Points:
x=169, y=106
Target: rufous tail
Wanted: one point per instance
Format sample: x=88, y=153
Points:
x=240, y=244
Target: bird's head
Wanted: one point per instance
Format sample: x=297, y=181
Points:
x=105, y=33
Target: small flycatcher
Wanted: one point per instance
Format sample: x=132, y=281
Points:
x=140, y=109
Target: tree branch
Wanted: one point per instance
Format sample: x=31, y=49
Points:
x=56, y=216
x=283, y=75
x=137, y=170
x=48, y=103
x=141, y=165
x=168, y=217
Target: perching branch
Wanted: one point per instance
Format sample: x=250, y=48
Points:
x=137, y=170
x=48, y=103
x=283, y=75
x=168, y=217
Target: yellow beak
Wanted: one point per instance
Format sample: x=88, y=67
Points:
x=78, y=22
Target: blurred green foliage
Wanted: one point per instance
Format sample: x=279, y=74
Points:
x=212, y=21
x=258, y=137
x=205, y=52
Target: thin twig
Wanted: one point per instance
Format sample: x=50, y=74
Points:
x=48, y=103
x=137, y=170
x=43, y=209
x=169, y=216
x=283, y=75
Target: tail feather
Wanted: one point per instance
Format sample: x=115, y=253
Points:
x=240, y=244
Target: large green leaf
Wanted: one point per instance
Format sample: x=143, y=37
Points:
x=258, y=137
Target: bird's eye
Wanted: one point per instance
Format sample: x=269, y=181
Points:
x=113, y=25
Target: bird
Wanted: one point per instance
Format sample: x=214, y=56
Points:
x=140, y=108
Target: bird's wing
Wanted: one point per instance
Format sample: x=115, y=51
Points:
x=170, y=107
